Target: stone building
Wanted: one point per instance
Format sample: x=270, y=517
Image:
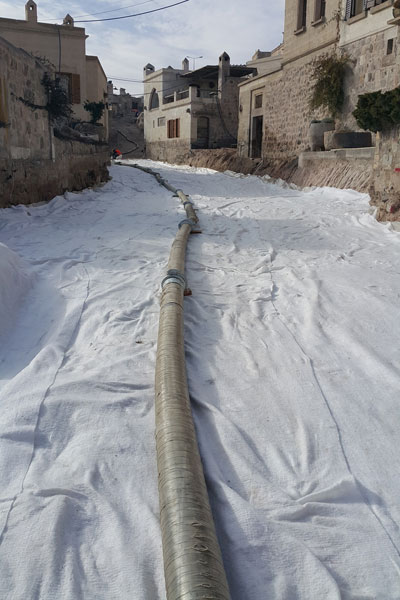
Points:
x=123, y=104
x=253, y=93
x=311, y=29
x=370, y=38
x=64, y=47
x=187, y=110
x=364, y=30
x=35, y=165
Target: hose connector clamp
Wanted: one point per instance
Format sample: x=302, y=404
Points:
x=187, y=222
x=174, y=276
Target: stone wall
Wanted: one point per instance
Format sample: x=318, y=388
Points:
x=345, y=172
x=287, y=113
x=25, y=133
x=287, y=92
x=77, y=166
x=371, y=69
x=34, y=165
x=385, y=188
x=167, y=150
x=316, y=33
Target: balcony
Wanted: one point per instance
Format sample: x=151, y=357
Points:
x=191, y=94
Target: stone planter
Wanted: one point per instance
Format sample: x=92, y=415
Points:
x=316, y=133
x=347, y=139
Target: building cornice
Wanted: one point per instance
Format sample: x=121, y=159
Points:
x=257, y=78
x=25, y=26
x=310, y=51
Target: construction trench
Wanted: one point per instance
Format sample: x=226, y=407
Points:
x=193, y=565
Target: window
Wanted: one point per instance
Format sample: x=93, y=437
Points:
x=258, y=101
x=174, y=128
x=302, y=14
x=320, y=6
x=154, y=100
x=161, y=121
x=389, y=48
x=357, y=7
x=71, y=83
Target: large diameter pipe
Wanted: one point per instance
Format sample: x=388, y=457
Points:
x=193, y=564
x=192, y=558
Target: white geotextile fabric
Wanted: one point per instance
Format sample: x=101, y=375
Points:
x=293, y=363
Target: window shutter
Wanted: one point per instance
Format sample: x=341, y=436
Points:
x=177, y=128
x=76, y=88
x=348, y=9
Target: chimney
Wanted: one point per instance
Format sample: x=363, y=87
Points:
x=224, y=69
x=148, y=69
x=68, y=20
x=31, y=11
x=185, y=65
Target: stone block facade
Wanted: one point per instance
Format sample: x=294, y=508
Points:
x=370, y=40
x=35, y=165
x=288, y=114
x=24, y=133
x=76, y=166
x=385, y=187
x=371, y=69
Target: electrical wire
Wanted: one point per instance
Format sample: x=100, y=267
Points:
x=102, y=12
x=174, y=87
x=135, y=15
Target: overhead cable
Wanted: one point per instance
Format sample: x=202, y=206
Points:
x=102, y=12
x=135, y=15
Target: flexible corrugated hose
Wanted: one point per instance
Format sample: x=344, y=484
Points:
x=193, y=564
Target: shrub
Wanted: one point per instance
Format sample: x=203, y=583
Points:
x=58, y=103
x=95, y=109
x=376, y=111
x=328, y=90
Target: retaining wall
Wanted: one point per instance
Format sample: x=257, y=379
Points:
x=34, y=164
x=346, y=171
x=385, y=188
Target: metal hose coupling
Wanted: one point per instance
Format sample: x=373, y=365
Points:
x=187, y=222
x=174, y=276
x=188, y=202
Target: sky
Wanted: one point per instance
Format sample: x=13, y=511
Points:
x=196, y=28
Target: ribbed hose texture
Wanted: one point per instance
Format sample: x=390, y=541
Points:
x=192, y=558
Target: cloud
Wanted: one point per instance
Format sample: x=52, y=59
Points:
x=198, y=28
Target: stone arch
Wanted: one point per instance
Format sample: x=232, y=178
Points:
x=154, y=101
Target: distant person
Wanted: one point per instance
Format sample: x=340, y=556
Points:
x=116, y=153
